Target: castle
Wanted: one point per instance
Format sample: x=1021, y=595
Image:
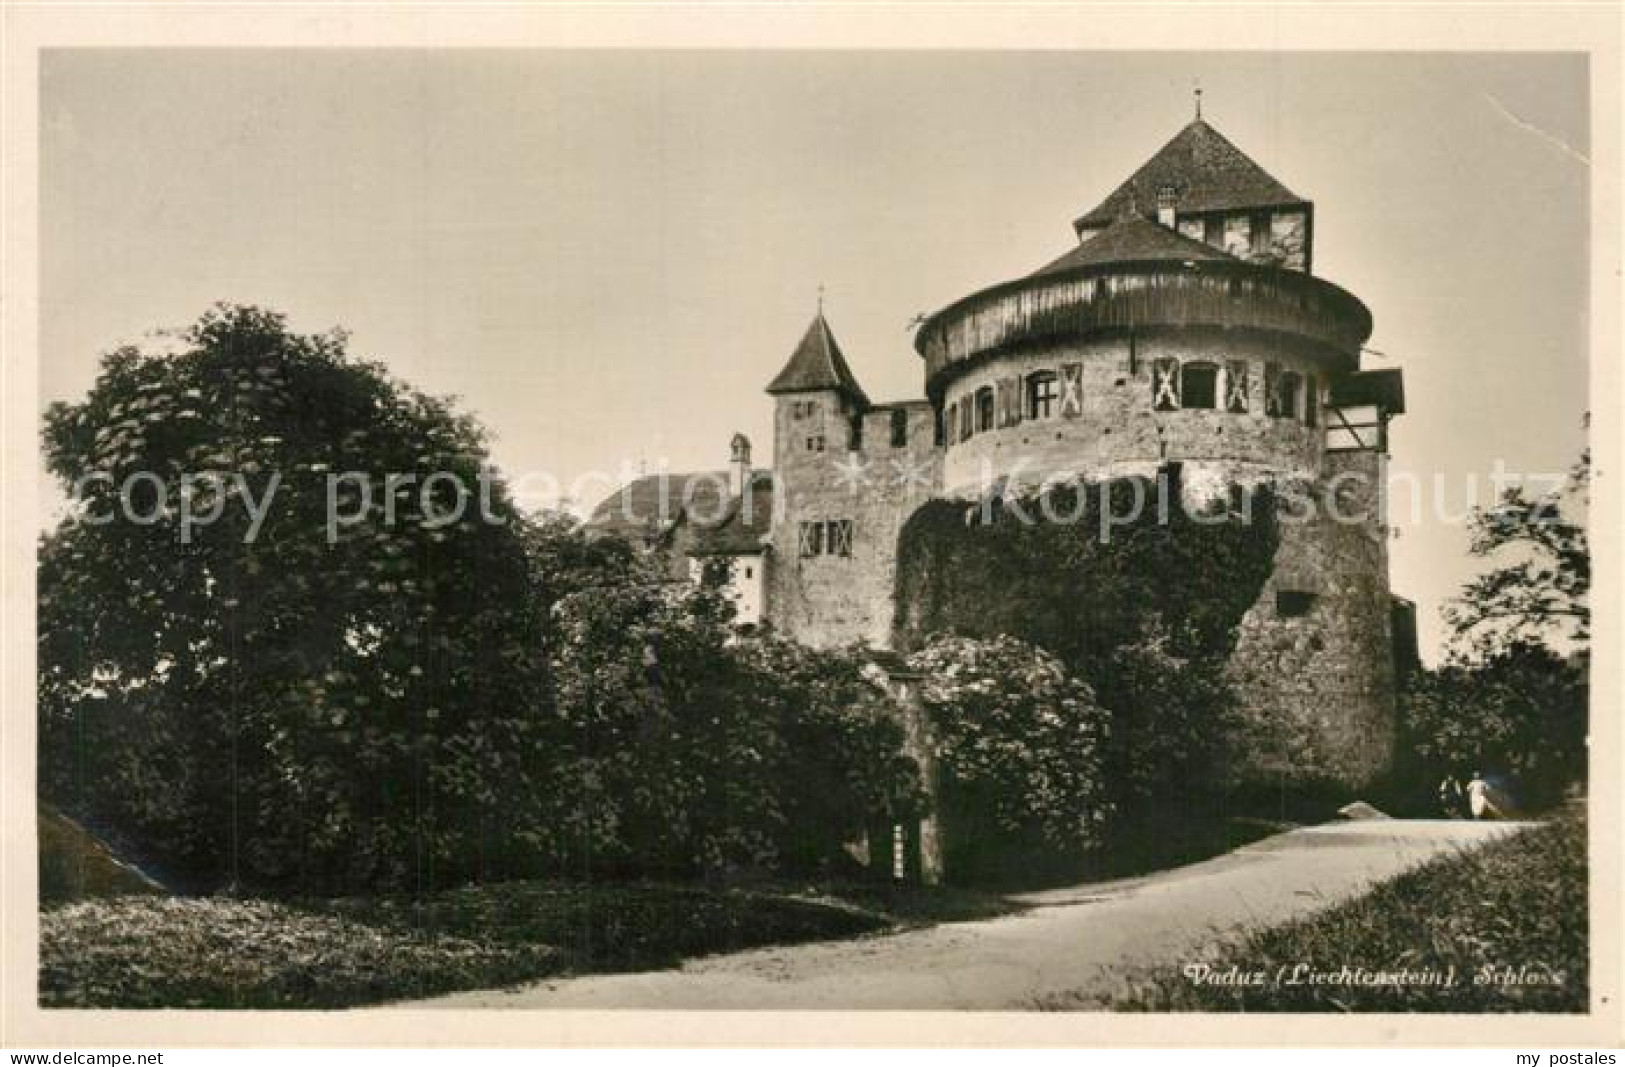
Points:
x=1185, y=326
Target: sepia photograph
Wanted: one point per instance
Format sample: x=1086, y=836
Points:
x=1053, y=531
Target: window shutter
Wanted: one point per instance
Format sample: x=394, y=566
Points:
x=1018, y=405
x=1236, y=387
x=1071, y=390
x=967, y=412
x=1165, y=384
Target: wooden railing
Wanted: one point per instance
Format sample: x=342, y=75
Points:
x=1122, y=296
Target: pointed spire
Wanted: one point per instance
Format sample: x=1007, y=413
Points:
x=818, y=364
x=1198, y=95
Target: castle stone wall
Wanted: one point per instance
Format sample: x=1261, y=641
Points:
x=1118, y=430
x=1318, y=687
x=827, y=600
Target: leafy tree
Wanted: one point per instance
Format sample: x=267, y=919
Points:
x=1520, y=712
x=1540, y=591
x=275, y=698
x=1512, y=697
x=1022, y=747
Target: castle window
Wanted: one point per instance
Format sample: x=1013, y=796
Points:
x=803, y=409
x=1043, y=393
x=1291, y=395
x=899, y=428
x=1311, y=400
x=967, y=425
x=815, y=443
x=1293, y=604
x=839, y=537
x=950, y=422
x=1261, y=234
x=827, y=537
x=1199, y=385
x=984, y=409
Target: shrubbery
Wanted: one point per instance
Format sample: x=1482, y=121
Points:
x=682, y=748
x=1022, y=748
x=399, y=702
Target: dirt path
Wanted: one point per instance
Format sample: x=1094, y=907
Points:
x=1077, y=939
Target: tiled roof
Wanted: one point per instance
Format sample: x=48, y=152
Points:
x=817, y=363
x=746, y=526
x=1133, y=239
x=1206, y=172
x=653, y=503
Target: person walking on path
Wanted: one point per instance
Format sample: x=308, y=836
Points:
x=1485, y=801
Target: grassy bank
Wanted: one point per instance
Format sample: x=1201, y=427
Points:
x=157, y=952
x=1509, y=922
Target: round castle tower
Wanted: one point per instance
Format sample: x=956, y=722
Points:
x=1186, y=327
x=1193, y=334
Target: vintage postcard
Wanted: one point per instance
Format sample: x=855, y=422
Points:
x=1001, y=526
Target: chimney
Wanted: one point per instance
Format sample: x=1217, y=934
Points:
x=739, y=464
x=1166, y=198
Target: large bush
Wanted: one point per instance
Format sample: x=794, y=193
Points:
x=254, y=700
x=1022, y=747
x=681, y=747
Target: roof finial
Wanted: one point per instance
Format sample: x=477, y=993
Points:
x=820, y=298
x=1197, y=92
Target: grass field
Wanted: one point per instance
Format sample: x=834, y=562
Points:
x=162, y=952
x=1507, y=922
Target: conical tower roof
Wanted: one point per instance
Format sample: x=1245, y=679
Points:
x=1133, y=239
x=1206, y=173
x=818, y=364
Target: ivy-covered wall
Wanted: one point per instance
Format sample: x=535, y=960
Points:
x=1294, y=613
x=1068, y=570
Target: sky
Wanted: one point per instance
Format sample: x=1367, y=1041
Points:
x=607, y=255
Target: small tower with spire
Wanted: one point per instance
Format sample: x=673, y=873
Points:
x=818, y=400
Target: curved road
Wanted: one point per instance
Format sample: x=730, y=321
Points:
x=1079, y=940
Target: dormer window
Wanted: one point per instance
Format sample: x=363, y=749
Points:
x=1167, y=197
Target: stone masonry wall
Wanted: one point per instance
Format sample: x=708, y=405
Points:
x=1118, y=430
x=1318, y=688
x=829, y=600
